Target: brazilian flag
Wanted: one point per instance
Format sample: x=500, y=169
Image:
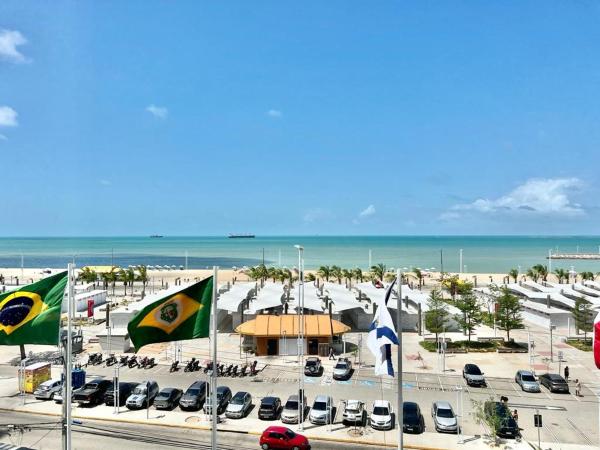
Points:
x=179, y=316
x=31, y=315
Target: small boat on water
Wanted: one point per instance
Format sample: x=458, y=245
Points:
x=241, y=236
x=154, y=236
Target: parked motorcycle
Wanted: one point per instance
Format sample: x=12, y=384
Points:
x=229, y=369
x=221, y=369
x=132, y=362
x=123, y=360
x=189, y=367
x=112, y=359
x=244, y=370
x=149, y=363
x=174, y=366
x=98, y=359
x=143, y=363
x=234, y=372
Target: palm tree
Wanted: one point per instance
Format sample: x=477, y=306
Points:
x=110, y=277
x=127, y=277
x=324, y=272
x=418, y=275
x=336, y=272
x=533, y=274
x=88, y=275
x=451, y=285
x=310, y=277
x=587, y=276
x=143, y=277
x=542, y=271
x=274, y=273
x=358, y=274
x=347, y=274
x=378, y=271
x=561, y=274
x=514, y=274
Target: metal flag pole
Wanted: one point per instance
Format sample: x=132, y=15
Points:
x=300, y=342
x=213, y=376
x=67, y=420
x=400, y=409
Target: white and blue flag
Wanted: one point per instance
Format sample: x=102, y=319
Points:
x=382, y=335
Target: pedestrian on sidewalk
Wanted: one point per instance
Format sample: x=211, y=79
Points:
x=567, y=374
x=515, y=415
x=578, y=388
x=331, y=354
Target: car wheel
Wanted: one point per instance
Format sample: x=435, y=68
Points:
x=51, y=397
x=295, y=448
x=265, y=446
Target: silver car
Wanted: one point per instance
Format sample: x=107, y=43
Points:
x=48, y=389
x=343, y=369
x=239, y=405
x=289, y=414
x=320, y=413
x=444, y=418
x=527, y=381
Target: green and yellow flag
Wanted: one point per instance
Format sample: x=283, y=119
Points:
x=179, y=316
x=31, y=314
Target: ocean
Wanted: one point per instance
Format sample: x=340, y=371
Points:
x=494, y=254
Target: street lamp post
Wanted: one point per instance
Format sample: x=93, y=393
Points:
x=552, y=327
x=300, y=303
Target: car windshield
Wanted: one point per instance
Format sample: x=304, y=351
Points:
x=291, y=404
x=90, y=386
x=290, y=434
x=341, y=365
x=527, y=377
x=320, y=406
x=163, y=395
x=140, y=390
x=380, y=411
x=194, y=391
x=237, y=400
x=267, y=406
x=473, y=370
x=443, y=412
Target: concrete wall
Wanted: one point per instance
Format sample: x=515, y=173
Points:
x=118, y=343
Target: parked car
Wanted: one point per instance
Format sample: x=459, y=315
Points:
x=354, y=413
x=473, y=375
x=444, y=418
x=527, y=381
x=48, y=389
x=321, y=412
x=168, y=398
x=507, y=426
x=269, y=409
x=414, y=422
x=289, y=414
x=343, y=369
x=282, y=438
x=239, y=405
x=92, y=393
x=223, y=397
x=125, y=390
x=381, y=416
x=554, y=382
x=312, y=367
x=194, y=396
x=143, y=395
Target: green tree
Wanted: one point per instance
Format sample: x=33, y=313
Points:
x=542, y=271
x=508, y=316
x=451, y=284
x=310, y=277
x=471, y=316
x=358, y=274
x=487, y=416
x=88, y=275
x=274, y=273
x=110, y=278
x=533, y=274
x=324, y=272
x=336, y=272
x=587, y=276
x=514, y=274
x=437, y=315
x=378, y=271
x=143, y=277
x=418, y=275
x=582, y=313
x=127, y=277
x=347, y=274
x=561, y=274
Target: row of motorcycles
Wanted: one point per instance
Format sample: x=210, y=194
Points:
x=95, y=359
x=232, y=370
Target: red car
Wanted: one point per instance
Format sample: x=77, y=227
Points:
x=282, y=438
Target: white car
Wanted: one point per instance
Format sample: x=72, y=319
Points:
x=381, y=417
x=48, y=389
x=320, y=413
x=354, y=413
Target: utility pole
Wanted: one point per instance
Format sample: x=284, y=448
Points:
x=400, y=408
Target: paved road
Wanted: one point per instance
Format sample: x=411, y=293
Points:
x=93, y=435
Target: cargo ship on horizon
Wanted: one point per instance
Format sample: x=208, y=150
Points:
x=241, y=236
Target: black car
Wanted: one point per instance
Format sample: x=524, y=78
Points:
x=167, y=398
x=473, y=375
x=312, y=367
x=92, y=393
x=413, y=419
x=269, y=409
x=554, y=382
x=125, y=390
x=194, y=396
x=223, y=397
x=507, y=426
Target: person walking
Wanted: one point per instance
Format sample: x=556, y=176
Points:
x=515, y=415
x=567, y=374
x=578, y=388
x=331, y=354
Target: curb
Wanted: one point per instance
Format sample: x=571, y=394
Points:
x=206, y=428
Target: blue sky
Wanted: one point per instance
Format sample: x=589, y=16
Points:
x=126, y=118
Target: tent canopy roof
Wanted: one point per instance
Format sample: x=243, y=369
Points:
x=316, y=325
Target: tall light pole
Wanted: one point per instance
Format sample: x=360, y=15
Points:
x=400, y=409
x=460, y=261
x=300, y=303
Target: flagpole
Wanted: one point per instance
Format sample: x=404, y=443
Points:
x=68, y=365
x=213, y=387
x=400, y=409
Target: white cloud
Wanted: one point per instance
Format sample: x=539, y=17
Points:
x=160, y=112
x=275, y=113
x=105, y=182
x=9, y=41
x=8, y=117
x=317, y=215
x=368, y=211
x=539, y=196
